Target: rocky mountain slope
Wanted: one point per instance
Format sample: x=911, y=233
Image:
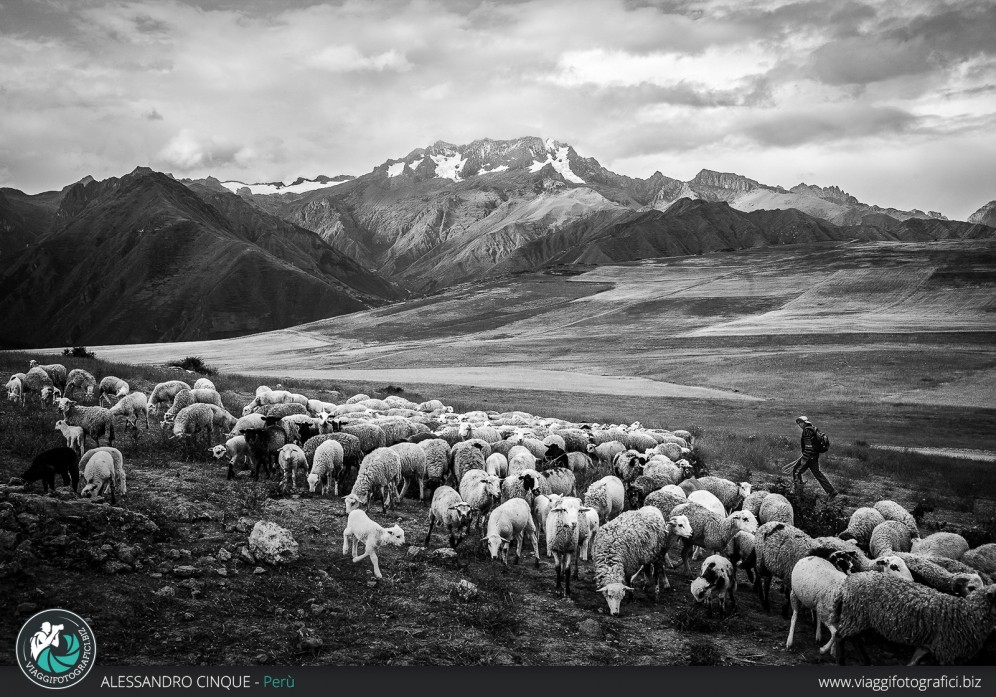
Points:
x=986, y=215
x=146, y=258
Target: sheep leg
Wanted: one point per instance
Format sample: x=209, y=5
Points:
x=405, y=482
x=231, y=468
x=519, y=539
x=686, y=552
x=833, y=638
x=113, y=501
x=795, y=616
x=536, y=553
x=432, y=524
x=567, y=576
x=421, y=492
x=918, y=655
x=560, y=590
x=766, y=593
x=819, y=628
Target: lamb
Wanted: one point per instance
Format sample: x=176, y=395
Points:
x=327, y=465
x=561, y=481
x=132, y=405
x=15, y=390
x=164, y=393
x=291, y=458
x=103, y=468
x=861, y=525
x=72, y=434
x=887, y=537
x=61, y=461
x=380, y=470
x=413, y=467
x=94, y=421
x=508, y=523
x=466, y=456
x=79, y=379
x=317, y=406
x=775, y=508
x=578, y=462
x=566, y=532
x=524, y=485
x=481, y=491
x=606, y=497
x=941, y=544
x=264, y=446
x=623, y=547
x=730, y=493
x=111, y=387
x=359, y=528
x=752, y=502
x=930, y=574
x=235, y=449
x=204, y=384
x=448, y=509
x=952, y=629
x=982, y=558
x=891, y=510
x=709, y=531
x=541, y=510
x=716, y=581
x=817, y=583
x=587, y=552
x=741, y=553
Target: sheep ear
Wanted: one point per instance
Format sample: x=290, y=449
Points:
x=627, y=588
x=601, y=590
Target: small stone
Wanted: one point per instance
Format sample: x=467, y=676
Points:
x=115, y=567
x=371, y=584
x=259, y=570
x=317, y=609
x=221, y=571
x=272, y=544
x=224, y=554
x=26, y=608
x=155, y=574
x=127, y=555
x=246, y=555
x=186, y=571
x=188, y=616
x=415, y=551
x=444, y=553
x=166, y=592
x=208, y=559
x=466, y=590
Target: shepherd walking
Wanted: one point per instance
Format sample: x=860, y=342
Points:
x=813, y=443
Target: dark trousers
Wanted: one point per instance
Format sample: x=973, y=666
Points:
x=813, y=465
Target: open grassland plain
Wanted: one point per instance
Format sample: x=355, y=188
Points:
x=182, y=593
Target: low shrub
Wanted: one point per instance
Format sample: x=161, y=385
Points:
x=194, y=363
x=78, y=352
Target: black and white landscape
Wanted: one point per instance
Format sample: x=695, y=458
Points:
x=675, y=225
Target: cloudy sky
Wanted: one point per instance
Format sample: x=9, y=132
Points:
x=893, y=101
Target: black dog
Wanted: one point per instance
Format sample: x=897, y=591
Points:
x=45, y=466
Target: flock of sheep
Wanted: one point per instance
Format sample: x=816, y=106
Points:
x=514, y=476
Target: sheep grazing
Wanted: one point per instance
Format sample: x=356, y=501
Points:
x=413, y=467
x=817, y=584
x=163, y=394
x=79, y=379
x=111, y=388
x=561, y=481
x=448, y=509
x=268, y=397
x=775, y=508
x=56, y=373
x=717, y=581
x=204, y=384
x=709, y=531
x=291, y=458
x=264, y=444
x=132, y=406
x=893, y=566
x=623, y=547
x=890, y=536
x=35, y=381
x=730, y=493
x=15, y=390
x=61, y=461
x=606, y=496
x=566, y=533
x=541, y=510
x=861, y=525
x=437, y=459
x=524, y=485
x=202, y=417
x=951, y=629
x=72, y=434
x=379, y=471
x=982, y=558
x=371, y=436
x=185, y=398
x=235, y=450
x=359, y=528
x=778, y=547
x=578, y=462
x=481, y=491
x=926, y=572
x=508, y=523
x=603, y=453
x=891, y=510
x=95, y=421
x=466, y=456
x=327, y=465
x=103, y=468
x=941, y=544
x=741, y=553
x=246, y=422
x=752, y=502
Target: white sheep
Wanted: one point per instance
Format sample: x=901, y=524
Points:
x=606, y=496
x=566, y=533
x=717, y=581
x=437, y=459
x=94, y=421
x=202, y=417
x=15, y=390
x=891, y=510
x=982, y=558
x=103, y=468
x=511, y=522
x=889, y=536
x=560, y=481
x=112, y=386
x=541, y=509
x=941, y=544
x=80, y=379
x=730, y=493
x=860, y=526
x=709, y=531
x=481, y=491
x=72, y=434
x=204, y=384
x=185, y=398
x=164, y=393
x=380, y=471
x=291, y=458
x=817, y=583
x=623, y=546
x=56, y=373
x=496, y=464
x=360, y=528
x=236, y=450
x=710, y=501
x=327, y=462
x=448, y=509
x=752, y=502
x=413, y=467
x=775, y=508
x=132, y=406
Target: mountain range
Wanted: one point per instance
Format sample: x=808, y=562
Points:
x=146, y=257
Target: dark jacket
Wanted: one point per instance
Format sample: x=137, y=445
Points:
x=809, y=450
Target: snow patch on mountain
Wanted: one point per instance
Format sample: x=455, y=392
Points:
x=557, y=156
x=499, y=168
x=448, y=165
x=302, y=187
x=395, y=169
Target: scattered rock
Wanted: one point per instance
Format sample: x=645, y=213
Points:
x=466, y=590
x=26, y=608
x=415, y=551
x=272, y=544
x=259, y=570
x=308, y=639
x=128, y=555
x=8, y=539
x=221, y=571
x=115, y=567
x=444, y=553
x=590, y=628
x=246, y=555
x=224, y=554
x=186, y=571
x=166, y=592
x=245, y=524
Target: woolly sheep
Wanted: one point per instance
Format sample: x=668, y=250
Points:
x=606, y=497
x=264, y=446
x=244, y=423
x=80, y=379
x=94, y=421
x=202, y=417
x=267, y=398
x=15, y=390
x=778, y=547
x=710, y=501
x=717, y=580
x=893, y=566
x=291, y=459
x=561, y=481
x=741, y=553
x=952, y=629
x=587, y=552
x=930, y=574
x=604, y=452
x=623, y=547
x=204, y=384
x=566, y=532
x=639, y=441
x=860, y=526
x=689, y=485
x=413, y=467
x=666, y=500
x=817, y=584
x=535, y=447
x=185, y=398
x=103, y=468
x=541, y=509
x=730, y=493
x=891, y=510
x=481, y=491
x=380, y=470
x=496, y=464
x=34, y=381
x=164, y=393
x=132, y=406
x=359, y=528
x=520, y=459
x=56, y=373
x=710, y=531
x=72, y=434
x=982, y=558
x=775, y=508
x=752, y=502
x=448, y=509
x=750, y=523
x=111, y=386
x=511, y=522
x=524, y=485
x=889, y=536
x=466, y=456
x=371, y=436
x=327, y=462
x=437, y=459
x=235, y=450
x=358, y=398
x=941, y=544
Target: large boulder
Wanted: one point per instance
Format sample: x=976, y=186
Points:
x=272, y=544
